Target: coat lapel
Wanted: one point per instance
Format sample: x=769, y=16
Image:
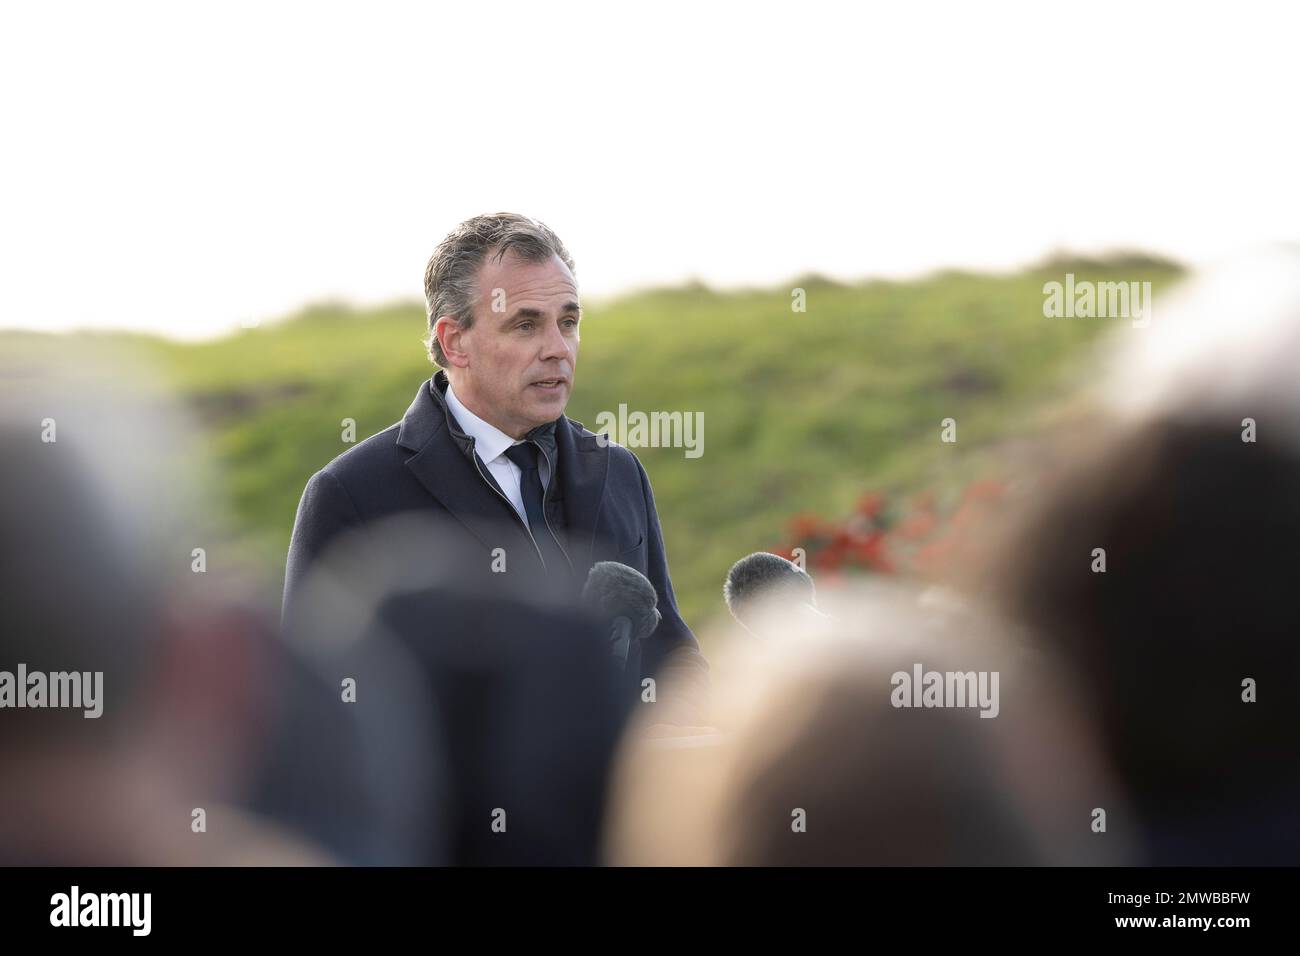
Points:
x=448, y=473
x=584, y=466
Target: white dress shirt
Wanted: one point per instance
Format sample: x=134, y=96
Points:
x=490, y=444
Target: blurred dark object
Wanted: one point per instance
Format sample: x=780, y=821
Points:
x=528, y=702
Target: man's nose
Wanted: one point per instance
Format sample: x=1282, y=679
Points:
x=555, y=345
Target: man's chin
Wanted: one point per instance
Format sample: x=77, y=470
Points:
x=548, y=403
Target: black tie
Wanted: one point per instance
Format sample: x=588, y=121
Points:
x=530, y=483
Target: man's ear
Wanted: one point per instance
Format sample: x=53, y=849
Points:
x=451, y=337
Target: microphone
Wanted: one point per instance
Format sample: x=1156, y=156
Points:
x=764, y=581
x=623, y=600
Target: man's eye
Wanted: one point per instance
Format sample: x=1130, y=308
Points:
x=525, y=326
x=571, y=323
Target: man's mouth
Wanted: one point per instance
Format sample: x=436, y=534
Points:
x=551, y=384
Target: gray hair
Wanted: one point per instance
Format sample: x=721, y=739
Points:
x=450, y=286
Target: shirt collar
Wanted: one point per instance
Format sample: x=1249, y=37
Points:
x=489, y=441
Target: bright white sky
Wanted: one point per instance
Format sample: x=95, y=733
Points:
x=182, y=168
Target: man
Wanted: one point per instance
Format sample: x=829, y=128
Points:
x=486, y=441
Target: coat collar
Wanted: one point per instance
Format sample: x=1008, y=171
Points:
x=489, y=441
x=443, y=462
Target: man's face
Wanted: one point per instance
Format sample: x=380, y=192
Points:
x=521, y=351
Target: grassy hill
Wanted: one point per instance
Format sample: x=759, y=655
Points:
x=802, y=411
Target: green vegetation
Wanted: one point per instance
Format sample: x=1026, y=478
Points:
x=803, y=412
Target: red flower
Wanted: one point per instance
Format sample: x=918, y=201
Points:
x=870, y=547
x=842, y=539
x=828, y=559
x=871, y=551
x=805, y=526
x=861, y=540
x=870, y=504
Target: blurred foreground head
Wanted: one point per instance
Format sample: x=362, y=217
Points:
x=889, y=734
x=105, y=519
x=1161, y=566
x=86, y=519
